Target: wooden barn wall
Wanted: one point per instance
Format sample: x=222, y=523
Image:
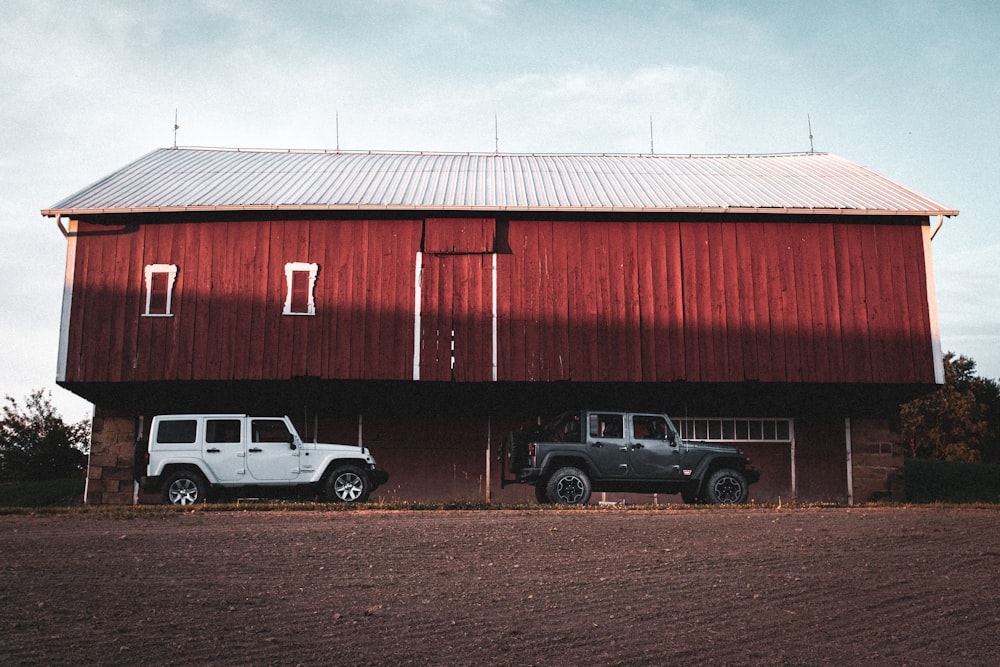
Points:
x=227, y=318
x=714, y=302
x=821, y=301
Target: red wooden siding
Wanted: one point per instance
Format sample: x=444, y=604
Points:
x=228, y=298
x=459, y=235
x=593, y=301
x=456, y=308
x=714, y=302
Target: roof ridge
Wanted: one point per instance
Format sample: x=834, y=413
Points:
x=338, y=151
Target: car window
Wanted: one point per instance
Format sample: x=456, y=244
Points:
x=270, y=430
x=607, y=425
x=649, y=427
x=222, y=430
x=177, y=431
x=565, y=429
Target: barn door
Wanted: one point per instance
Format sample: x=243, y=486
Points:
x=456, y=340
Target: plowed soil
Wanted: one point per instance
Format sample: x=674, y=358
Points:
x=893, y=586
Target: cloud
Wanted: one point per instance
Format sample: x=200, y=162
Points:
x=581, y=110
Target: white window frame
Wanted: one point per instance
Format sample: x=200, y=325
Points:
x=171, y=271
x=735, y=429
x=290, y=269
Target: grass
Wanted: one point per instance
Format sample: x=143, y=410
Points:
x=47, y=493
x=932, y=481
x=927, y=482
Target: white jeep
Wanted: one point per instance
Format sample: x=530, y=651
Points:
x=189, y=457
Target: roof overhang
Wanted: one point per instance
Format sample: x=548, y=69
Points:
x=80, y=212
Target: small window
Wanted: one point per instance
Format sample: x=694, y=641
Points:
x=160, y=279
x=649, y=427
x=222, y=430
x=177, y=431
x=301, y=280
x=607, y=426
x=270, y=430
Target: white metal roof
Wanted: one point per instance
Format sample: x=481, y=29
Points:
x=208, y=179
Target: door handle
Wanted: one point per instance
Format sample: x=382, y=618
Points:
x=213, y=450
x=638, y=445
x=255, y=449
x=597, y=444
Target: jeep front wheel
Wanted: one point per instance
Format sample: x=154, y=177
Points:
x=347, y=484
x=727, y=487
x=185, y=487
x=569, y=486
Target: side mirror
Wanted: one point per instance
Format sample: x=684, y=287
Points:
x=292, y=445
x=672, y=439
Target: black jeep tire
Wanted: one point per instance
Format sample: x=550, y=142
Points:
x=348, y=484
x=569, y=486
x=727, y=487
x=185, y=487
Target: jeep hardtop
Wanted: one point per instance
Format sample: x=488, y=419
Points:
x=189, y=457
x=606, y=450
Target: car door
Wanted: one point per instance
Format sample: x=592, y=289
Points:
x=271, y=455
x=606, y=443
x=224, y=451
x=653, y=449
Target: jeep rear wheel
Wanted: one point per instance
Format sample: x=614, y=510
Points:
x=569, y=486
x=348, y=484
x=185, y=487
x=727, y=487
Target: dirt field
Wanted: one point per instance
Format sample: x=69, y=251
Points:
x=533, y=587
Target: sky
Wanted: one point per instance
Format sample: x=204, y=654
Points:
x=908, y=88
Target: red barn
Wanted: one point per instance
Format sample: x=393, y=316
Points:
x=425, y=303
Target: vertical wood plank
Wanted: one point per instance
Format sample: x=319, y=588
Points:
x=673, y=309
x=697, y=301
x=874, y=301
x=917, y=310
x=565, y=243
x=505, y=315
x=646, y=300
x=747, y=303
x=632, y=323
x=358, y=295
x=860, y=304
x=763, y=336
x=733, y=329
x=809, y=323
x=134, y=302
x=829, y=284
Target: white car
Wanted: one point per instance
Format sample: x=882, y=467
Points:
x=189, y=457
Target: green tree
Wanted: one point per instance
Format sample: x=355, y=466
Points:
x=35, y=442
x=958, y=422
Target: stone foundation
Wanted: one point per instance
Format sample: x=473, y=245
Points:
x=877, y=458
x=112, y=448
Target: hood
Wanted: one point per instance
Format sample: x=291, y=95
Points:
x=717, y=447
